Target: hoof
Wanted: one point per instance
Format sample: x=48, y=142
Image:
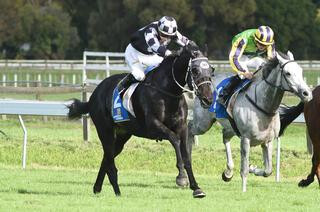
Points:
x=252, y=168
x=225, y=178
x=96, y=190
x=182, y=181
x=304, y=183
x=198, y=193
x=265, y=174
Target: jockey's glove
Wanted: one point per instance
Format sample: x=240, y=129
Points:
x=173, y=53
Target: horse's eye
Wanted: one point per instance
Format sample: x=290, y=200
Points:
x=288, y=74
x=196, y=72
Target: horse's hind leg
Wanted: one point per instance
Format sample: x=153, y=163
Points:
x=107, y=137
x=267, y=159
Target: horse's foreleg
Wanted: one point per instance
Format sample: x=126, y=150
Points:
x=228, y=173
x=179, y=144
x=310, y=178
x=182, y=179
x=315, y=170
x=164, y=132
x=185, y=149
x=316, y=155
x=245, y=151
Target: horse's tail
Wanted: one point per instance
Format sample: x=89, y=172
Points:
x=288, y=115
x=77, y=108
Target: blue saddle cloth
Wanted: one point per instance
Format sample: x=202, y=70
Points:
x=119, y=113
x=218, y=108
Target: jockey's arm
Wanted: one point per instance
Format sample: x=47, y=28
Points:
x=271, y=51
x=236, y=52
x=154, y=44
x=180, y=39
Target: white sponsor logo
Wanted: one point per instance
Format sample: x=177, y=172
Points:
x=204, y=65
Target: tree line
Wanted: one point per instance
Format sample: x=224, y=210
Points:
x=63, y=29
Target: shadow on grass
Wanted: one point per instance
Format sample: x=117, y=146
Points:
x=161, y=184
x=25, y=191
x=66, y=182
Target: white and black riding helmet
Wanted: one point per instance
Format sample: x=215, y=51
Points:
x=167, y=26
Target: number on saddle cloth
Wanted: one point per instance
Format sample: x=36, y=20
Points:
x=119, y=113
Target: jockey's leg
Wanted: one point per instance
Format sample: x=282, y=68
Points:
x=126, y=82
x=228, y=89
x=234, y=81
x=137, y=70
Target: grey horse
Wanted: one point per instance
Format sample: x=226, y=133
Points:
x=255, y=113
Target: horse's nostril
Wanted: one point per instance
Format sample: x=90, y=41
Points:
x=305, y=93
x=207, y=101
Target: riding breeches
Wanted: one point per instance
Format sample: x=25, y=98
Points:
x=250, y=63
x=138, y=62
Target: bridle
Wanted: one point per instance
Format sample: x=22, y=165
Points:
x=283, y=76
x=191, y=64
x=272, y=85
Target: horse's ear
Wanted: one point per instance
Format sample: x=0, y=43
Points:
x=290, y=55
x=205, y=50
x=281, y=59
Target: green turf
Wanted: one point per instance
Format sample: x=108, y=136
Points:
x=61, y=170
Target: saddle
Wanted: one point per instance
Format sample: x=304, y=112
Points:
x=226, y=112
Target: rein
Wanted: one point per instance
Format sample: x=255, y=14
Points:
x=177, y=83
x=162, y=91
x=272, y=85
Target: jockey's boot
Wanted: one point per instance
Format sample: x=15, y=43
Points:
x=125, y=83
x=228, y=89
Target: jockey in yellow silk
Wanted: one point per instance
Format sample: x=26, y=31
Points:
x=248, y=50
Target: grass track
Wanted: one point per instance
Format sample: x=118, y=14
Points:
x=61, y=170
x=70, y=190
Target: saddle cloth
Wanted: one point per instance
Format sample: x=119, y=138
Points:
x=219, y=109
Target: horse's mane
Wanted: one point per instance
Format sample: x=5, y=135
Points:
x=272, y=63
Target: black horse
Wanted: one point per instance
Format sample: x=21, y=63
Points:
x=160, y=109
